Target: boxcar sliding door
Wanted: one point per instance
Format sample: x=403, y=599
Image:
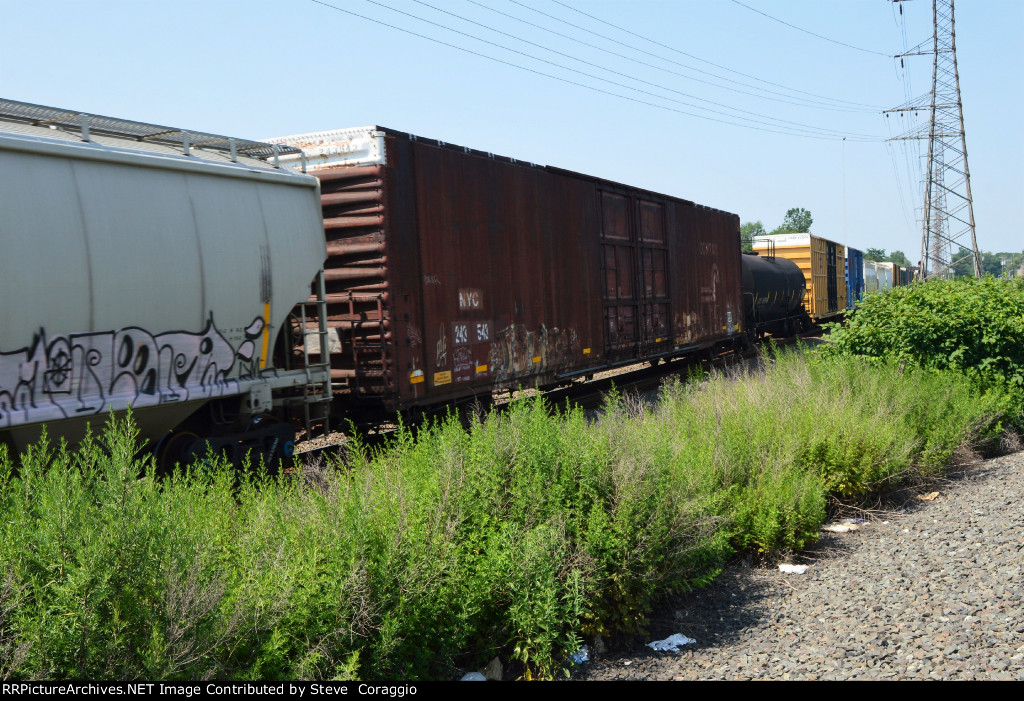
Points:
x=654, y=300
x=617, y=256
x=634, y=253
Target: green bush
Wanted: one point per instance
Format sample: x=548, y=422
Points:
x=520, y=536
x=969, y=325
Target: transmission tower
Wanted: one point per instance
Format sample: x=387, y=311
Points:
x=948, y=207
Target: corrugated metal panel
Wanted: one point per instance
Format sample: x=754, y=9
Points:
x=356, y=274
x=878, y=276
x=854, y=276
x=823, y=264
x=458, y=272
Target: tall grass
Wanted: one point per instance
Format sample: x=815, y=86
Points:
x=521, y=536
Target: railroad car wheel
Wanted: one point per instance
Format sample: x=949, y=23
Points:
x=172, y=449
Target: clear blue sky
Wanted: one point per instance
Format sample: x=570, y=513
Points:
x=266, y=68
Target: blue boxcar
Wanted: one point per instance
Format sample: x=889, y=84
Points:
x=854, y=276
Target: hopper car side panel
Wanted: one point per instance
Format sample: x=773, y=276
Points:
x=152, y=280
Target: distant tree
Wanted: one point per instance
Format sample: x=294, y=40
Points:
x=748, y=230
x=964, y=265
x=876, y=254
x=992, y=263
x=797, y=221
x=899, y=258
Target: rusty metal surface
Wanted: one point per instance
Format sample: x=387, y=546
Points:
x=452, y=272
x=356, y=274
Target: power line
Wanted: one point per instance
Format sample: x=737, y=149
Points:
x=807, y=31
x=792, y=126
x=572, y=82
x=683, y=53
x=789, y=100
x=784, y=122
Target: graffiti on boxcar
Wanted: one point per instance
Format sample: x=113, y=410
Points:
x=514, y=350
x=689, y=327
x=462, y=361
x=412, y=332
x=71, y=375
x=441, y=354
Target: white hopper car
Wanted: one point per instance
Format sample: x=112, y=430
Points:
x=155, y=268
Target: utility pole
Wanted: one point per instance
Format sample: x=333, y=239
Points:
x=948, y=206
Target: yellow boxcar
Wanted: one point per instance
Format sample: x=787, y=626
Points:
x=823, y=263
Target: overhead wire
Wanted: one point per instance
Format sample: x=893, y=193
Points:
x=566, y=80
x=784, y=122
x=910, y=149
x=789, y=100
x=683, y=53
x=896, y=174
x=807, y=31
x=755, y=124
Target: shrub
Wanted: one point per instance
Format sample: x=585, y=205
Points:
x=969, y=325
x=519, y=536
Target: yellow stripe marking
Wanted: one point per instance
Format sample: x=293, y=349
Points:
x=266, y=335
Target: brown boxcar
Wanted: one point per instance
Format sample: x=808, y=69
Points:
x=453, y=272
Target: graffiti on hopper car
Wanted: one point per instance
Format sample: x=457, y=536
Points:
x=65, y=376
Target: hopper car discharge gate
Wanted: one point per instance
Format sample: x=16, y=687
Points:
x=158, y=269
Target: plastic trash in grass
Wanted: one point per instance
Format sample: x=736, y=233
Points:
x=845, y=526
x=580, y=656
x=473, y=677
x=672, y=643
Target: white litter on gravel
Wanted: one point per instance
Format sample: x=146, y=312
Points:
x=672, y=643
x=793, y=569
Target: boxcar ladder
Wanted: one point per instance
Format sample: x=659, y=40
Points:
x=316, y=392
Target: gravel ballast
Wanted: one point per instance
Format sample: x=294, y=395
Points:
x=931, y=590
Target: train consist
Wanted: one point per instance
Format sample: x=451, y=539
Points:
x=225, y=294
